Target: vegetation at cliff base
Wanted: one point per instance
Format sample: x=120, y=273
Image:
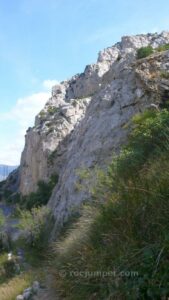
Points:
x=37, y=224
x=119, y=247
x=40, y=197
x=27, y=257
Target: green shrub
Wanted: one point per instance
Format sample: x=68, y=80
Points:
x=118, y=58
x=164, y=74
x=10, y=268
x=2, y=220
x=163, y=48
x=52, y=157
x=6, y=193
x=49, y=124
x=41, y=196
x=52, y=110
x=144, y=52
x=42, y=114
x=50, y=130
x=36, y=223
x=4, y=239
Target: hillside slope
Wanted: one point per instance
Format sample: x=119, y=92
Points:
x=83, y=122
x=119, y=247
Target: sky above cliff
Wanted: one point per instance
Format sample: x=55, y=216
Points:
x=42, y=42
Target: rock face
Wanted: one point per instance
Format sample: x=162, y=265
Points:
x=83, y=121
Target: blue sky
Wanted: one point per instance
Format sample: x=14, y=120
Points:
x=46, y=41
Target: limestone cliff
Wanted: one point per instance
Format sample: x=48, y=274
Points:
x=83, y=121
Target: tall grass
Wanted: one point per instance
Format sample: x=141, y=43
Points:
x=123, y=252
x=15, y=286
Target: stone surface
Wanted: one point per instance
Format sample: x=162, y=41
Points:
x=35, y=287
x=30, y=292
x=27, y=293
x=82, y=123
x=20, y=297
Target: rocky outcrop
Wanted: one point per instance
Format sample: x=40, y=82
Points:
x=30, y=292
x=47, y=142
x=82, y=123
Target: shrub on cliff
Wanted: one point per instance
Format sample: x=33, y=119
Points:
x=4, y=237
x=144, y=52
x=2, y=220
x=41, y=196
x=122, y=251
x=163, y=48
x=52, y=110
x=164, y=74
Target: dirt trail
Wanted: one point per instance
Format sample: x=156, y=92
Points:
x=47, y=293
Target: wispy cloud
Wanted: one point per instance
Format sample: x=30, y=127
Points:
x=15, y=123
x=10, y=152
x=48, y=84
x=26, y=108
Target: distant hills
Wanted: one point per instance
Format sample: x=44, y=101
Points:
x=5, y=170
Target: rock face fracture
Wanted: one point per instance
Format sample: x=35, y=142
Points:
x=83, y=122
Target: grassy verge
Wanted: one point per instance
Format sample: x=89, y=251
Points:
x=16, y=285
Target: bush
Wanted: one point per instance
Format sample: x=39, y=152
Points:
x=163, y=48
x=42, y=114
x=52, y=157
x=2, y=220
x=36, y=224
x=164, y=74
x=144, y=52
x=52, y=110
x=148, y=139
x=4, y=238
x=41, y=196
x=10, y=268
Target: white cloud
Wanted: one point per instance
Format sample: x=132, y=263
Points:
x=26, y=108
x=14, y=123
x=17, y=120
x=10, y=153
x=48, y=84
